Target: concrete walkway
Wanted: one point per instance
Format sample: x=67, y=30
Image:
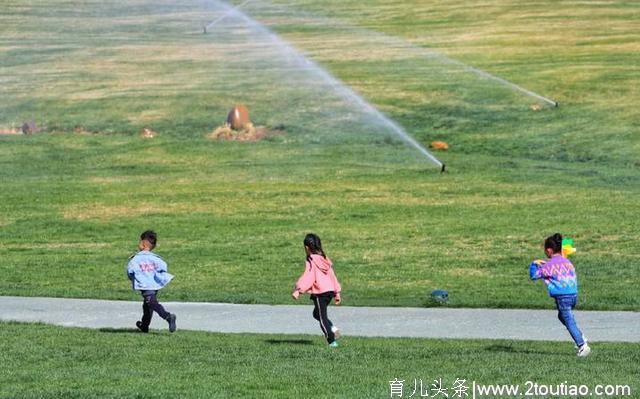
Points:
x=541, y=325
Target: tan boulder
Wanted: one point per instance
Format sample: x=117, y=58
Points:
x=238, y=117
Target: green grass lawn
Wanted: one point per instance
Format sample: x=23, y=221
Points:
x=231, y=216
x=82, y=363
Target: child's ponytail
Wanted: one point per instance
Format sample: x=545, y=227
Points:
x=312, y=241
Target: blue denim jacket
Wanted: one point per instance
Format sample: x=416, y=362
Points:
x=148, y=271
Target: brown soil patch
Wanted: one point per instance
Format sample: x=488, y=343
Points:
x=248, y=133
x=9, y=130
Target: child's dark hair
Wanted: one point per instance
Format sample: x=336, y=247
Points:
x=554, y=242
x=150, y=236
x=314, y=244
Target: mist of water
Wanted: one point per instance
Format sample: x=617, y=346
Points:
x=270, y=54
x=400, y=43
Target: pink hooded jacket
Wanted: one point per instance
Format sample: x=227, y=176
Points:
x=318, y=276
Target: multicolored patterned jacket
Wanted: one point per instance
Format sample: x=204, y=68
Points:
x=559, y=275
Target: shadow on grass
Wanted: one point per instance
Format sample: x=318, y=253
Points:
x=289, y=341
x=120, y=330
x=515, y=348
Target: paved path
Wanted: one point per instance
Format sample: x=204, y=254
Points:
x=539, y=325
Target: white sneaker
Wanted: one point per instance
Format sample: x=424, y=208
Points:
x=336, y=331
x=584, y=350
x=586, y=341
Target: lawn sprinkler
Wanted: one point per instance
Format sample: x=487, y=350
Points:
x=439, y=296
x=437, y=146
x=539, y=107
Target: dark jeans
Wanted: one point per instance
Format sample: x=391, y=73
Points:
x=565, y=305
x=320, y=304
x=149, y=305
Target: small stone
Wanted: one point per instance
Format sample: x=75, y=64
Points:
x=147, y=133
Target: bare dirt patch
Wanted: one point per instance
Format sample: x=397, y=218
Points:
x=26, y=128
x=247, y=133
x=9, y=130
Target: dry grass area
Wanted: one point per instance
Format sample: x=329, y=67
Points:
x=248, y=133
x=56, y=245
x=165, y=206
x=105, y=212
x=473, y=272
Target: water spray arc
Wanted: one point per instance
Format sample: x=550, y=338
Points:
x=500, y=80
x=302, y=62
x=427, y=53
x=225, y=15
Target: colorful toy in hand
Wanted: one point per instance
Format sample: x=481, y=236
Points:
x=567, y=247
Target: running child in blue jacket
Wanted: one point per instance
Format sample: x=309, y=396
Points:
x=148, y=274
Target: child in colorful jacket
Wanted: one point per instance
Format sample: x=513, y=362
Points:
x=559, y=275
x=320, y=280
x=148, y=274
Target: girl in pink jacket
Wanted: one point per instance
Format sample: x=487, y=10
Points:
x=320, y=280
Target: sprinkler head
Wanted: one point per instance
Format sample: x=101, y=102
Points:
x=443, y=168
x=556, y=104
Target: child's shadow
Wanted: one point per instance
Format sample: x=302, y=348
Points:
x=513, y=348
x=289, y=341
x=120, y=330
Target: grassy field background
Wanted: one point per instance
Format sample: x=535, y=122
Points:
x=81, y=363
x=231, y=216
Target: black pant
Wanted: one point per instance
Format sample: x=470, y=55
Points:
x=320, y=304
x=149, y=305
